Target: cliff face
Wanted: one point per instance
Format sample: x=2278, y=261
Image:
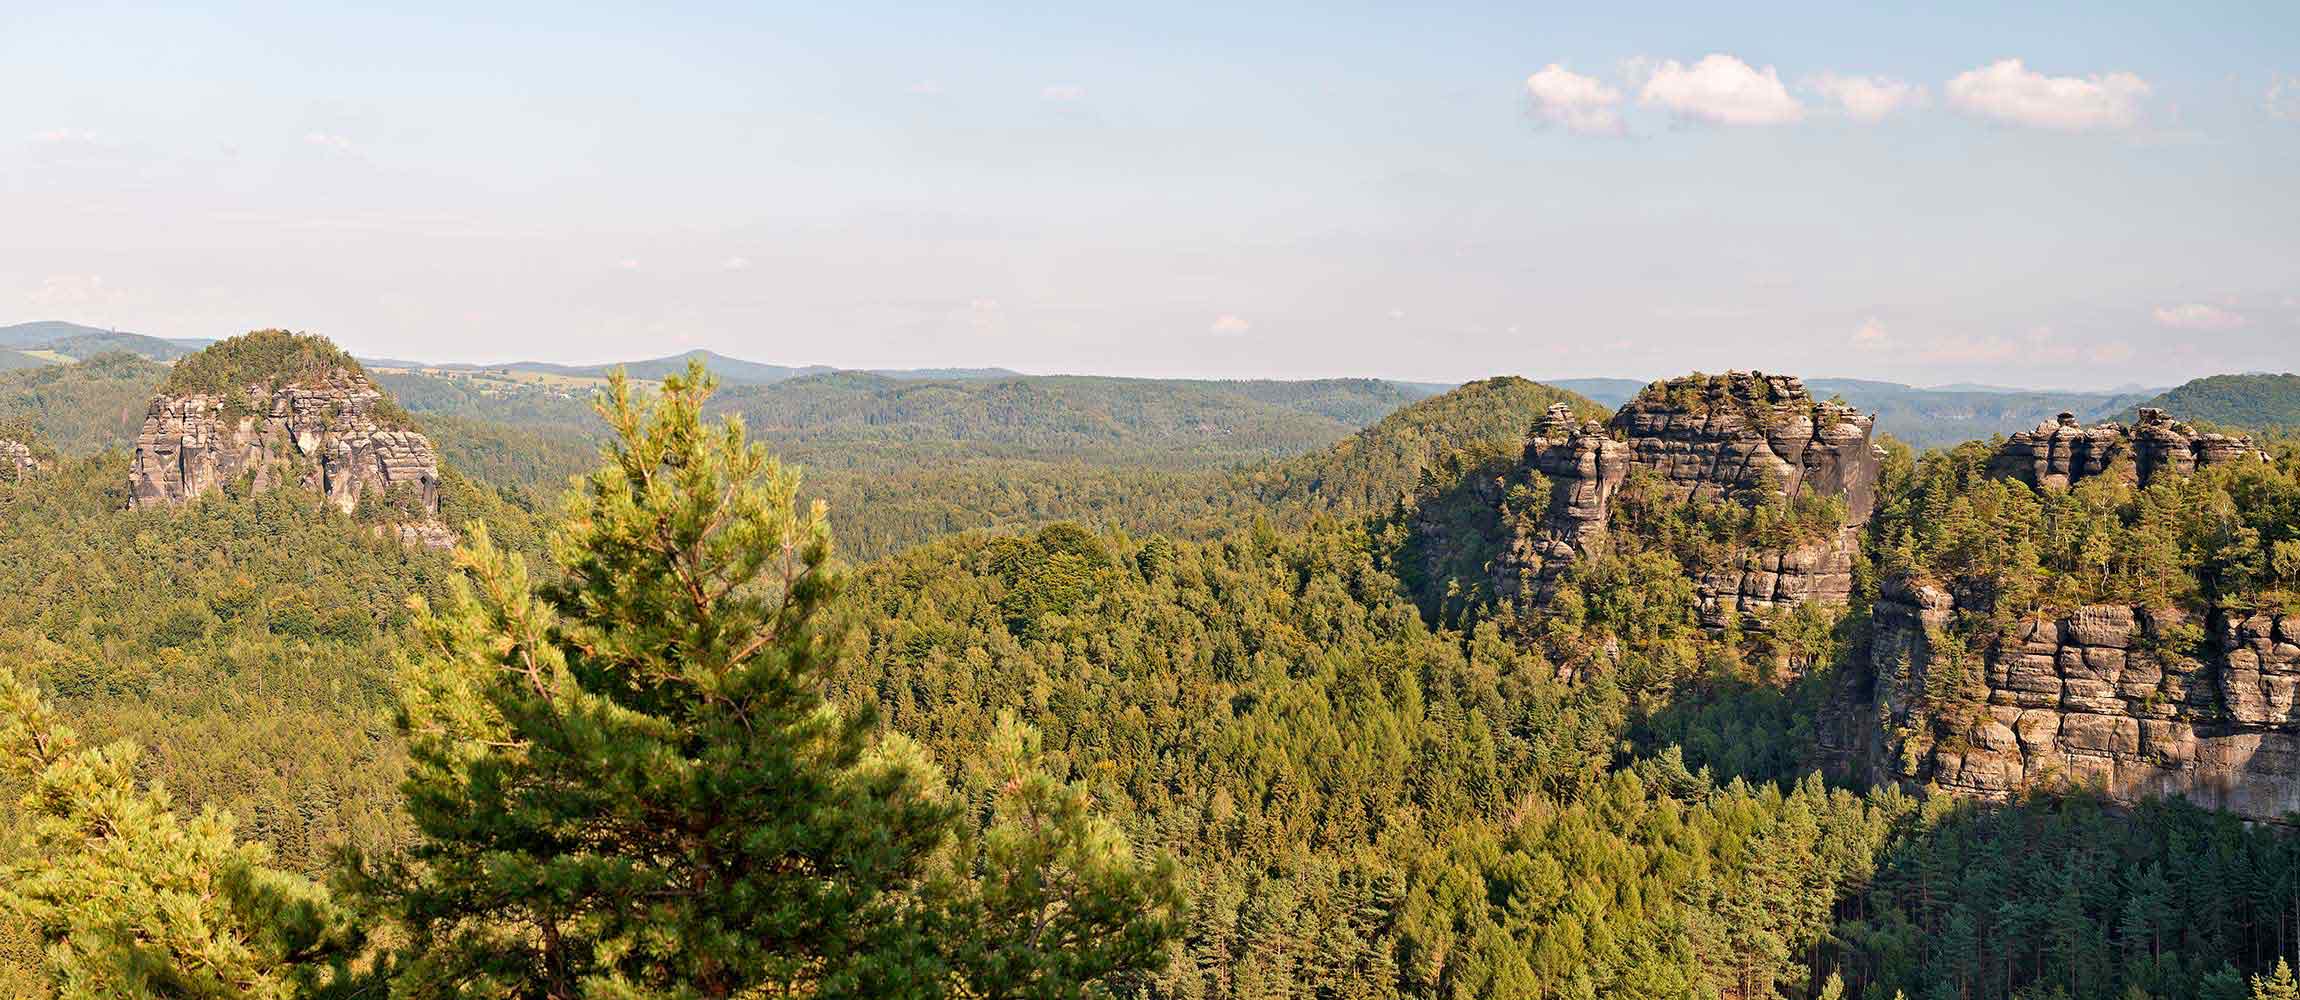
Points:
x=327, y=431
x=2062, y=454
x=2127, y=701
x=2105, y=697
x=1738, y=437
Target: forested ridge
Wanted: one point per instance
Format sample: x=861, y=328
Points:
x=1288, y=749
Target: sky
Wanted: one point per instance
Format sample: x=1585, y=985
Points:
x=2062, y=195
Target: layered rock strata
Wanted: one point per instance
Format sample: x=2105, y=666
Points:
x=2107, y=697
x=325, y=432
x=2063, y=453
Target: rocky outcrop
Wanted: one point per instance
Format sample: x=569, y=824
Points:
x=17, y=459
x=330, y=431
x=1585, y=466
x=1741, y=437
x=2131, y=704
x=2061, y=454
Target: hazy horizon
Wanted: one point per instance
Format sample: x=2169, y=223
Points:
x=2054, y=198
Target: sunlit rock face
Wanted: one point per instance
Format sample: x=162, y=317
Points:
x=2112, y=698
x=326, y=432
x=2063, y=453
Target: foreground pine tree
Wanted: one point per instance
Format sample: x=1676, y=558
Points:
x=627, y=783
x=132, y=901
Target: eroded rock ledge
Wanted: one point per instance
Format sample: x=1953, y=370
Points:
x=2108, y=697
x=2062, y=454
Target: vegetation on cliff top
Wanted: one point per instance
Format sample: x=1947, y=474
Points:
x=263, y=362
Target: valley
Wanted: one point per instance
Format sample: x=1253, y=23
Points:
x=1498, y=691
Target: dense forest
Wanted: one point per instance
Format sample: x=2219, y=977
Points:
x=2254, y=400
x=1182, y=656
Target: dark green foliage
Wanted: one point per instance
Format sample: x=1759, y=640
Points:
x=2067, y=895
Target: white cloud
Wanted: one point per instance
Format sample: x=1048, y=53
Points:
x=736, y=264
x=1868, y=98
x=327, y=140
x=1230, y=323
x=1065, y=92
x=1583, y=105
x=627, y=264
x=2007, y=91
x=2283, y=97
x=2197, y=316
x=925, y=88
x=69, y=291
x=1721, y=90
x=1871, y=335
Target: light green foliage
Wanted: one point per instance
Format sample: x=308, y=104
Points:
x=133, y=901
x=1053, y=903
x=82, y=408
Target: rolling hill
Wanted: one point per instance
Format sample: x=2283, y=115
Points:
x=54, y=342
x=2258, y=400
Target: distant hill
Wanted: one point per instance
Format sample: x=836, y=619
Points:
x=2258, y=400
x=68, y=342
x=1607, y=391
x=1928, y=418
x=85, y=407
x=832, y=418
x=731, y=371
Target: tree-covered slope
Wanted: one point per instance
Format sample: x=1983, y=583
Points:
x=2259, y=400
x=62, y=343
x=1149, y=421
x=84, y=407
x=1372, y=469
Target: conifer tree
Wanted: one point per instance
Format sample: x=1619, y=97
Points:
x=133, y=901
x=2277, y=985
x=1053, y=902
x=627, y=782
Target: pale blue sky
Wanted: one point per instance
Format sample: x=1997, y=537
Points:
x=1175, y=189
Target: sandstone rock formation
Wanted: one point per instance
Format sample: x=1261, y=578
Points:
x=16, y=460
x=2105, y=697
x=329, y=430
x=2062, y=454
x=1739, y=437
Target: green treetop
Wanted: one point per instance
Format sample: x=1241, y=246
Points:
x=627, y=782
x=133, y=901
